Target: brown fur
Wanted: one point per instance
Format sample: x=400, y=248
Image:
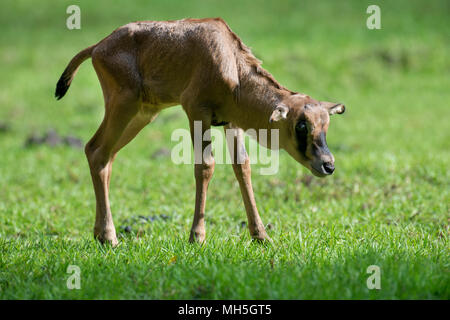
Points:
x=145, y=67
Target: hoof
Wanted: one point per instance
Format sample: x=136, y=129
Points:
x=107, y=238
x=262, y=237
x=197, y=237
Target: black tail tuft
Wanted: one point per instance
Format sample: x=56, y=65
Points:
x=62, y=86
x=66, y=78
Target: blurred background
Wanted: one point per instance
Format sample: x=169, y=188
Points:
x=391, y=146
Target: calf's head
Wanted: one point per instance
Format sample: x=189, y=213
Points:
x=303, y=123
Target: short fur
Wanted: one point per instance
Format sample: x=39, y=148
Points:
x=145, y=67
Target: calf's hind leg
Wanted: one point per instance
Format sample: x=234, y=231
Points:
x=121, y=124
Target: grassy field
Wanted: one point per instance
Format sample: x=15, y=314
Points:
x=387, y=203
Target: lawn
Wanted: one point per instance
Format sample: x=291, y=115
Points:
x=386, y=205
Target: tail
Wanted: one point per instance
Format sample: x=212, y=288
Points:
x=69, y=73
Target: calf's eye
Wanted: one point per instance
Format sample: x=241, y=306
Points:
x=301, y=127
x=301, y=131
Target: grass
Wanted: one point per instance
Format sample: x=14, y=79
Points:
x=387, y=203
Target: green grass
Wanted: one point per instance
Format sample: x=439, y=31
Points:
x=387, y=203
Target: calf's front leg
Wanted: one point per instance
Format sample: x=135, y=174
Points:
x=242, y=171
x=203, y=171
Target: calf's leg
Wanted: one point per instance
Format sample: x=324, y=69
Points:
x=242, y=171
x=203, y=171
x=120, y=125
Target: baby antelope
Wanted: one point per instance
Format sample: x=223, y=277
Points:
x=200, y=64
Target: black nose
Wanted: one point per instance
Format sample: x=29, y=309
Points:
x=328, y=167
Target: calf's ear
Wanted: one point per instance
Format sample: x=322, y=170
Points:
x=280, y=112
x=333, y=108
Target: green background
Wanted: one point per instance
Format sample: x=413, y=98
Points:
x=387, y=203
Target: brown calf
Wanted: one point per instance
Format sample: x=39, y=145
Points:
x=145, y=67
